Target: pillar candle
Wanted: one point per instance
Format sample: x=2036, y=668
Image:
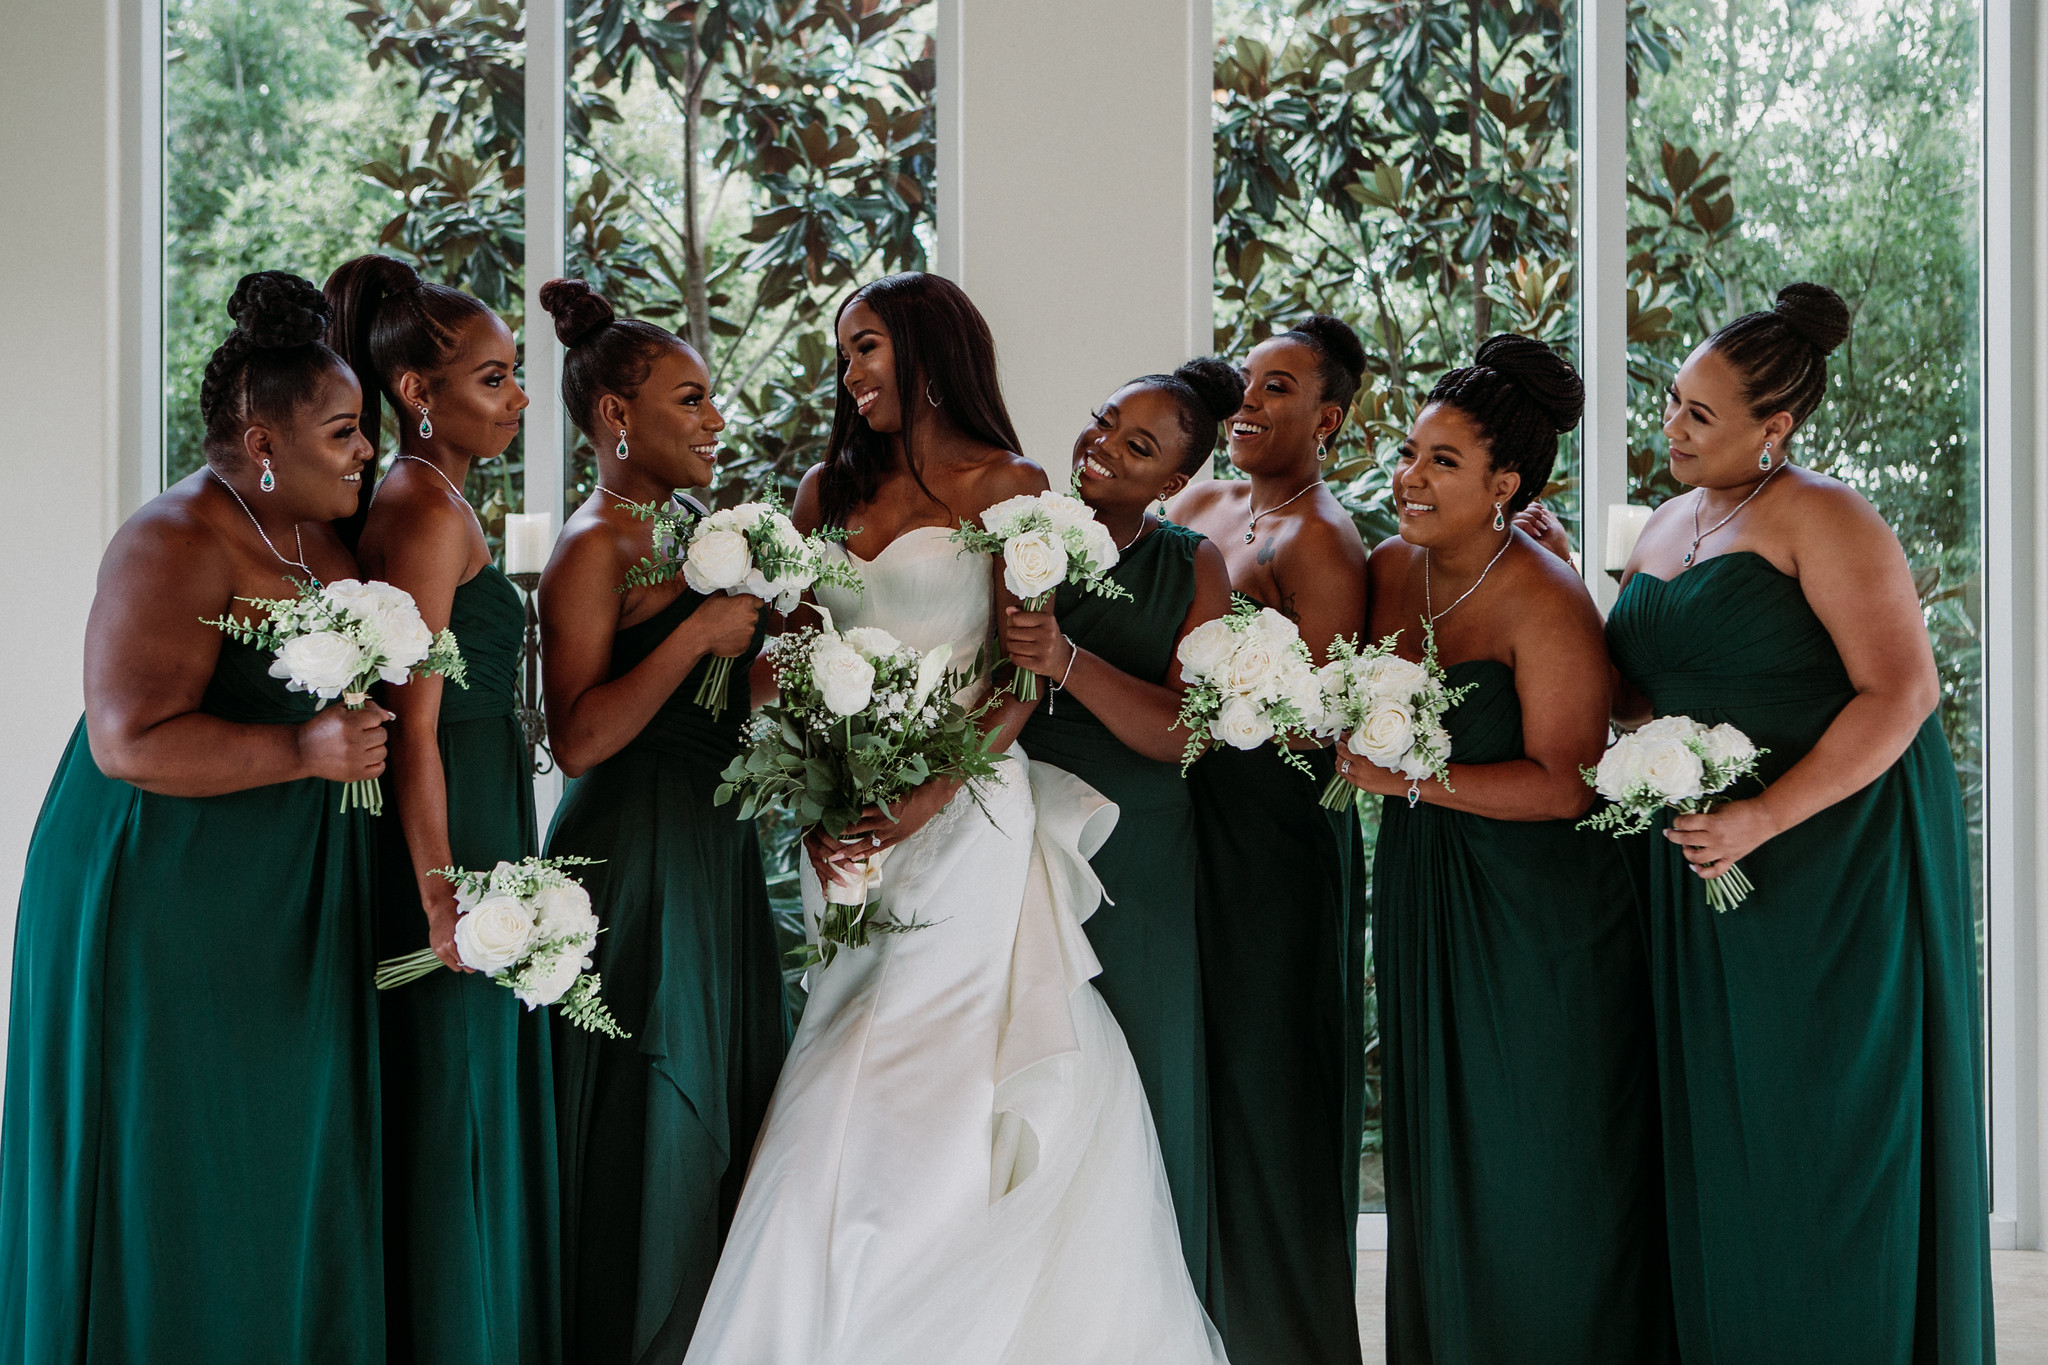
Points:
x=529, y=539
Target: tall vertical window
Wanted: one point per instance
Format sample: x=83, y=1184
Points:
x=1836, y=141
x=1410, y=168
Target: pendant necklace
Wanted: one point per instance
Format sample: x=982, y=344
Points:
x=1435, y=616
x=297, y=539
x=1698, y=535
x=1253, y=529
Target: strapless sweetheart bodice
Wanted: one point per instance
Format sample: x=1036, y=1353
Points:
x=923, y=589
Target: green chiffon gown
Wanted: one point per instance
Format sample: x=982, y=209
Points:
x=1280, y=918
x=1817, y=1046
x=1144, y=933
x=656, y=1130
x=188, y=1159
x=1524, y=1190
x=472, y=1242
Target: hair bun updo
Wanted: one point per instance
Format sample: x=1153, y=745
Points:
x=1816, y=313
x=1216, y=384
x=578, y=310
x=1339, y=353
x=1540, y=374
x=276, y=310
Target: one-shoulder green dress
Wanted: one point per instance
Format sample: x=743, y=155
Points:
x=188, y=1160
x=1144, y=933
x=1280, y=918
x=1524, y=1189
x=1817, y=1046
x=656, y=1130
x=472, y=1242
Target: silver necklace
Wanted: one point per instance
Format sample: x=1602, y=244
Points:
x=1435, y=616
x=1698, y=535
x=451, y=488
x=1136, y=536
x=298, y=539
x=1253, y=529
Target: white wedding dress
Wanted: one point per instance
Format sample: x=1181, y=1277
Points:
x=959, y=1166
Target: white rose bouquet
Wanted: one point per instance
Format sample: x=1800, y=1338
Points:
x=862, y=720
x=529, y=927
x=1045, y=539
x=1393, y=710
x=753, y=548
x=1677, y=762
x=339, y=640
x=1250, y=679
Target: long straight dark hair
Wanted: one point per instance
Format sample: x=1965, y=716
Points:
x=945, y=355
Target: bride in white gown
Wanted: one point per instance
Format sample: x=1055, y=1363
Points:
x=959, y=1164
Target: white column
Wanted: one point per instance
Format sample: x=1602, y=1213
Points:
x=1074, y=195
x=546, y=132
x=1603, y=279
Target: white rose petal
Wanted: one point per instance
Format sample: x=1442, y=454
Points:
x=1386, y=735
x=494, y=933
x=717, y=560
x=872, y=641
x=564, y=910
x=1007, y=517
x=1669, y=727
x=1620, y=770
x=1727, y=745
x=547, y=980
x=931, y=671
x=323, y=663
x=1241, y=724
x=1254, y=666
x=1399, y=678
x=1205, y=649
x=844, y=679
x=1034, y=564
x=1671, y=768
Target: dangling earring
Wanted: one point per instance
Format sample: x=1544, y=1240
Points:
x=1763, y=461
x=1500, y=523
x=426, y=426
x=621, y=451
x=268, y=483
x=935, y=402
x=1322, y=452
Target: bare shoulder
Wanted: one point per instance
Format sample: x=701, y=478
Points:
x=1390, y=558
x=1551, y=591
x=172, y=532
x=1821, y=505
x=808, y=511
x=1211, y=568
x=1328, y=534
x=1007, y=475
x=1204, y=495
x=591, y=548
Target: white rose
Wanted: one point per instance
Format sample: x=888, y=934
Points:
x=748, y=515
x=1669, y=727
x=1205, y=649
x=494, y=933
x=1241, y=724
x=1272, y=627
x=855, y=883
x=548, y=979
x=1621, y=769
x=1671, y=768
x=1727, y=745
x=1416, y=766
x=1304, y=689
x=1254, y=667
x=1399, y=678
x=1065, y=511
x=872, y=641
x=716, y=560
x=1008, y=516
x=563, y=910
x=1386, y=735
x=1034, y=563
x=323, y=663
x=844, y=679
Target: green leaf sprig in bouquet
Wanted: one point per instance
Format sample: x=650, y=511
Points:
x=753, y=548
x=1393, y=711
x=1045, y=539
x=529, y=927
x=1250, y=681
x=862, y=720
x=340, y=639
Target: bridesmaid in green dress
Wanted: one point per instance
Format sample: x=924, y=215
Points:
x=472, y=1241
x=1280, y=909
x=655, y=1129
x=1524, y=1193
x=1817, y=1045
x=1111, y=701
x=188, y=1161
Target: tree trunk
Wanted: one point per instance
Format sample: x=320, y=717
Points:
x=696, y=298
x=1729, y=92
x=1482, y=306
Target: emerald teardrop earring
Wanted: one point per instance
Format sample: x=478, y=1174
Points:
x=1763, y=461
x=426, y=426
x=268, y=483
x=621, y=451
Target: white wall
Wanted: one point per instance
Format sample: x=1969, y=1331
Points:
x=60, y=487
x=1074, y=195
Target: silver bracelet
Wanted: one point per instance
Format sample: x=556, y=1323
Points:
x=1072, y=654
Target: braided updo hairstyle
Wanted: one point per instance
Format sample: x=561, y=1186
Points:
x=1782, y=353
x=1340, y=356
x=605, y=353
x=1208, y=391
x=270, y=364
x=1521, y=395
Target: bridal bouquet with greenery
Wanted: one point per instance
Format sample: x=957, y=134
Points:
x=1250, y=681
x=339, y=640
x=1392, y=710
x=753, y=548
x=1677, y=763
x=862, y=720
x=1045, y=539
x=529, y=927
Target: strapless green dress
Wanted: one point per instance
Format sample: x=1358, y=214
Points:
x=1817, y=1046
x=472, y=1245
x=1524, y=1188
x=656, y=1129
x=188, y=1159
x=1280, y=918
x=1144, y=933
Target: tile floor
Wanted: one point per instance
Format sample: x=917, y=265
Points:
x=2019, y=1289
